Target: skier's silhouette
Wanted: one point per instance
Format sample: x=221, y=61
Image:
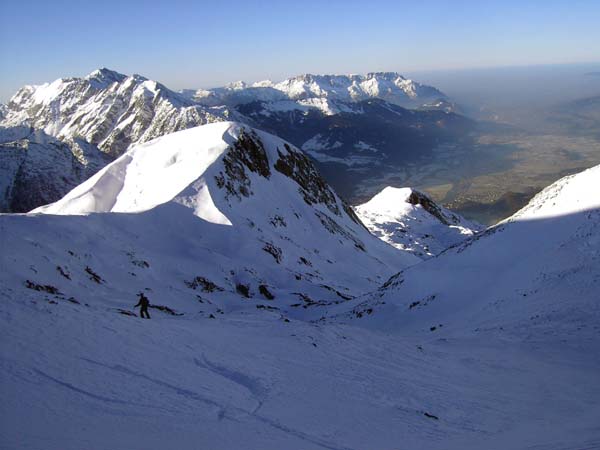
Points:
x=144, y=302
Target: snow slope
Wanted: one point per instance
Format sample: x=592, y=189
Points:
x=409, y=220
x=76, y=376
x=509, y=367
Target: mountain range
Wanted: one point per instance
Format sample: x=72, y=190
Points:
x=319, y=90
x=351, y=125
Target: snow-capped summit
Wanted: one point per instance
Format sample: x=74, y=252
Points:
x=389, y=86
x=106, y=109
x=106, y=76
x=410, y=220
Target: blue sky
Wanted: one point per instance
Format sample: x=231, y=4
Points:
x=204, y=44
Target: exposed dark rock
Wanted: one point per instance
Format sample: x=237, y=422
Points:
x=247, y=153
x=203, y=283
x=418, y=198
x=243, y=290
x=63, y=272
x=312, y=186
x=338, y=293
x=267, y=307
x=166, y=309
x=140, y=263
x=264, y=291
x=278, y=221
x=42, y=287
x=305, y=261
x=273, y=251
x=93, y=275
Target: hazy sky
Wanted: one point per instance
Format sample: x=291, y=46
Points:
x=209, y=43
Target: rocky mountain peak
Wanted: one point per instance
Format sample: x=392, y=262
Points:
x=105, y=75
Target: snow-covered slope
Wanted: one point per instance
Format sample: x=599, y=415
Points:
x=571, y=194
x=221, y=204
x=494, y=344
x=389, y=86
x=410, y=220
x=106, y=109
x=534, y=276
x=81, y=376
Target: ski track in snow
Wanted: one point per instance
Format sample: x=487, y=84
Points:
x=253, y=385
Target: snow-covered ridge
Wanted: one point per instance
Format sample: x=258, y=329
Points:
x=389, y=86
x=107, y=109
x=253, y=199
x=411, y=221
x=573, y=193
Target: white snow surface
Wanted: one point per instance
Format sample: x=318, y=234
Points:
x=513, y=361
x=149, y=174
x=410, y=226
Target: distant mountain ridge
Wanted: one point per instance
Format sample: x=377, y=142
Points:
x=389, y=86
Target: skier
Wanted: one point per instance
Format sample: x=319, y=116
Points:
x=144, y=302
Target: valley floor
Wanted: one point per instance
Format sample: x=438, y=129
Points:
x=76, y=376
x=494, y=177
